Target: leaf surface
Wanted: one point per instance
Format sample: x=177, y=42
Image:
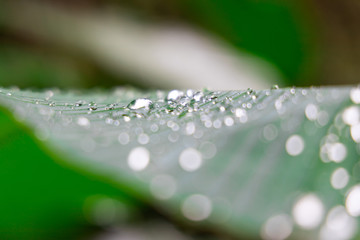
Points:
x=251, y=164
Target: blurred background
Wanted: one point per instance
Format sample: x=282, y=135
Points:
x=227, y=44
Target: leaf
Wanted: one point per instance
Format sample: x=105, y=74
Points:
x=269, y=163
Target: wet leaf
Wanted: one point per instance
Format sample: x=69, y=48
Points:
x=271, y=164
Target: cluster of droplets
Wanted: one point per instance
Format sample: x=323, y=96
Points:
x=309, y=211
x=184, y=117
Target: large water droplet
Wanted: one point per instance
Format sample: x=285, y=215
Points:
x=294, y=145
x=138, y=158
x=339, y=178
x=83, y=122
x=352, y=202
x=308, y=211
x=351, y=115
x=174, y=95
x=190, y=159
x=140, y=103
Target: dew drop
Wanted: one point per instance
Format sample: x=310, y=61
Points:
x=308, y=211
x=140, y=103
x=241, y=114
x=294, y=145
x=337, y=152
x=355, y=132
x=138, y=158
x=83, y=122
x=143, y=139
x=339, y=178
x=123, y=138
x=355, y=95
x=189, y=93
x=190, y=159
x=275, y=86
x=270, y=132
x=190, y=128
x=174, y=95
x=197, y=207
x=311, y=112
x=198, y=96
x=339, y=225
x=217, y=123
x=351, y=115
x=229, y=121
x=352, y=202
x=278, y=227
x=163, y=187
x=154, y=127
x=126, y=118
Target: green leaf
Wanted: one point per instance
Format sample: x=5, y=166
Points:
x=241, y=163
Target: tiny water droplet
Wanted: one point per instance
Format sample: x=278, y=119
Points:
x=275, y=86
x=198, y=96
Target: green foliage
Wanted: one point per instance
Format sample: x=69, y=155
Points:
x=225, y=163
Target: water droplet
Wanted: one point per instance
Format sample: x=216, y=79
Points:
x=278, y=227
x=275, y=86
x=138, y=158
x=351, y=115
x=190, y=93
x=294, y=145
x=229, y=121
x=163, y=187
x=198, y=96
x=190, y=159
x=217, y=123
x=126, y=118
x=197, y=207
x=323, y=118
x=174, y=95
x=311, y=112
x=208, y=123
x=355, y=132
x=79, y=103
x=355, y=95
x=352, y=202
x=308, y=211
x=140, y=103
x=110, y=106
x=270, y=132
x=190, y=128
x=337, y=152
x=241, y=114
x=339, y=178
x=154, y=127
x=339, y=225
x=123, y=138
x=83, y=122
x=143, y=138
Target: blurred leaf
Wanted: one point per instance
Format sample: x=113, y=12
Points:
x=278, y=31
x=244, y=163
